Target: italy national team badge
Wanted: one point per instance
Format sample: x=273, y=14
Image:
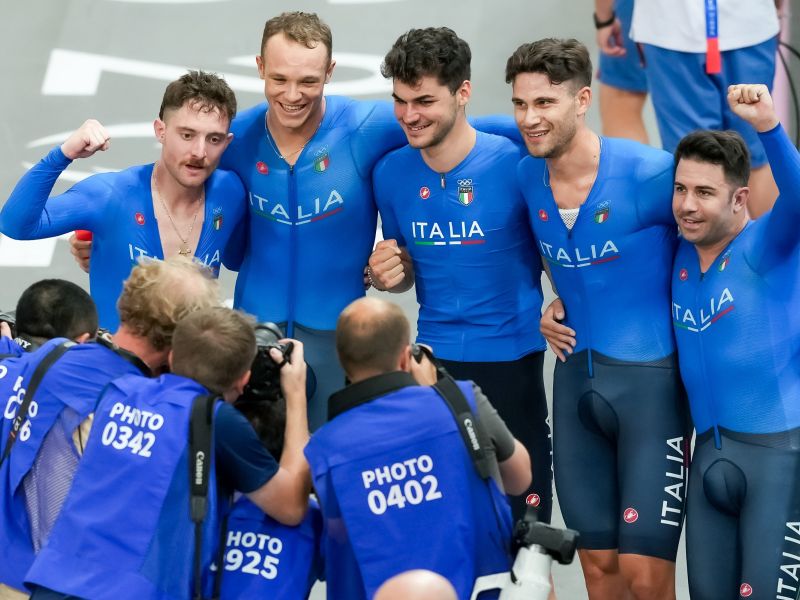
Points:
x=424, y=192
x=139, y=218
x=601, y=214
x=465, y=192
x=630, y=515
x=543, y=214
x=724, y=262
x=745, y=590
x=262, y=168
x=322, y=161
x=217, y=222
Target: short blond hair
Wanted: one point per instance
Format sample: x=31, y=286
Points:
x=158, y=293
x=214, y=346
x=301, y=27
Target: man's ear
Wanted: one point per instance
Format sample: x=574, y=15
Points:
x=583, y=100
x=84, y=337
x=160, y=129
x=169, y=361
x=740, y=198
x=260, y=65
x=329, y=72
x=404, y=360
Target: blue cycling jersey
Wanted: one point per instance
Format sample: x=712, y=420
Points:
x=738, y=325
x=118, y=209
x=477, y=275
x=612, y=269
x=312, y=225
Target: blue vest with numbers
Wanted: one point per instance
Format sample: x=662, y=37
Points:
x=397, y=486
x=125, y=530
x=612, y=268
x=72, y=384
x=266, y=559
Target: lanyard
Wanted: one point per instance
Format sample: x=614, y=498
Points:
x=713, y=56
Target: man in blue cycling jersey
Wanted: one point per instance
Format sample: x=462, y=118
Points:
x=735, y=298
x=455, y=222
x=600, y=210
x=177, y=206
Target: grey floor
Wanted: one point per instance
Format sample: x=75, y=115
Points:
x=63, y=61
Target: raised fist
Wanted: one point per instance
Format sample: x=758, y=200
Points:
x=86, y=140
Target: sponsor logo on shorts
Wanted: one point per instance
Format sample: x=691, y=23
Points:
x=683, y=275
x=424, y=192
x=533, y=500
x=602, y=213
x=465, y=192
x=630, y=515
x=745, y=590
x=262, y=168
x=543, y=214
x=139, y=218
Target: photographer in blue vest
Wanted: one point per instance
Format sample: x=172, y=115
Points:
x=291, y=561
x=397, y=484
x=47, y=309
x=126, y=529
x=48, y=395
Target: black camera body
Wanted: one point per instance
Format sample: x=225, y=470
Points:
x=10, y=317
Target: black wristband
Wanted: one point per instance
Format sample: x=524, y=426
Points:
x=600, y=24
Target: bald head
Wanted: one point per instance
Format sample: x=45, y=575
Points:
x=371, y=336
x=416, y=585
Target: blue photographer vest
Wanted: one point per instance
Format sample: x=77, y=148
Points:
x=397, y=486
x=71, y=387
x=266, y=559
x=125, y=530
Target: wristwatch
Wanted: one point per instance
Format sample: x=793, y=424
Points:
x=598, y=24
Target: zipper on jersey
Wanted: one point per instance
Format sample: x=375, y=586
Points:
x=441, y=180
x=292, y=295
x=705, y=378
x=579, y=278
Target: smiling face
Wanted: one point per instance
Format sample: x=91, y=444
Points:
x=427, y=111
x=710, y=211
x=548, y=115
x=192, y=138
x=294, y=80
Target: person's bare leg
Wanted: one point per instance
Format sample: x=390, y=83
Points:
x=601, y=572
x=648, y=578
x=621, y=113
x=763, y=191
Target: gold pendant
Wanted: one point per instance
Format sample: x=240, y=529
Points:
x=185, y=251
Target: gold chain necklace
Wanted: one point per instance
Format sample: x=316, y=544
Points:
x=184, y=250
x=286, y=157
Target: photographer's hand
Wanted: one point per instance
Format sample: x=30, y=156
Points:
x=293, y=372
x=5, y=330
x=424, y=371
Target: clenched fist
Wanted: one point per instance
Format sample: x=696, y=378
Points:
x=86, y=140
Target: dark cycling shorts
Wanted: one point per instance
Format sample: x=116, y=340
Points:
x=516, y=389
x=743, y=516
x=319, y=348
x=621, y=453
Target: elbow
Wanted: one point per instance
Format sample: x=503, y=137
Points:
x=518, y=484
x=292, y=515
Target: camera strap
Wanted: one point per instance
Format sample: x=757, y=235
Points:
x=38, y=374
x=200, y=447
x=472, y=430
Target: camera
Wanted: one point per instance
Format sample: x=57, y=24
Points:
x=265, y=373
x=10, y=317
